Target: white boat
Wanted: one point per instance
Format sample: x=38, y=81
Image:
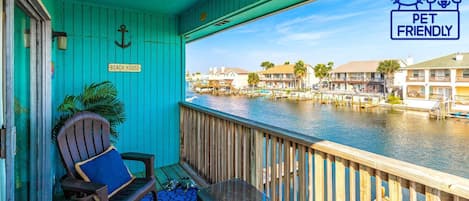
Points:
x=191, y=98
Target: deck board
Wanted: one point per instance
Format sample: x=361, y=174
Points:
x=181, y=171
x=170, y=172
x=161, y=177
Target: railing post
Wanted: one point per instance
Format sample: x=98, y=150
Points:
x=365, y=183
x=182, y=131
x=256, y=158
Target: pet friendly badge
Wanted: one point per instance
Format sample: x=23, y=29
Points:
x=425, y=20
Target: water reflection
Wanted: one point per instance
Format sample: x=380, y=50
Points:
x=408, y=136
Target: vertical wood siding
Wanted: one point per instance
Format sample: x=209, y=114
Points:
x=151, y=97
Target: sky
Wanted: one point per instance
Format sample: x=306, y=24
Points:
x=324, y=30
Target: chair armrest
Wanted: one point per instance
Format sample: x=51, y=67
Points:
x=147, y=159
x=80, y=186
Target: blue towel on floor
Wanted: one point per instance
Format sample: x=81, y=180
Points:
x=177, y=194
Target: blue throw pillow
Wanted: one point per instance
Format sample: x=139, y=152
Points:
x=106, y=168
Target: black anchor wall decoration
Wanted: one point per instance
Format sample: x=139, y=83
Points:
x=123, y=30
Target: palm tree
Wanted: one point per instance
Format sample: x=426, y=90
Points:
x=253, y=79
x=300, y=71
x=267, y=64
x=100, y=98
x=388, y=67
x=322, y=71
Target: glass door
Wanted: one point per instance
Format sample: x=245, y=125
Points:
x=22, y=104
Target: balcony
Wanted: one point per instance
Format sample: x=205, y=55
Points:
x=373, y=79
x=462, y=79
x=436, y=96
x=338, y=79
x=287, y=165
x=415, y=79
x=414, y=94
x=461, y=100
x=440, y=78
x=278, y=79
x=356, y=79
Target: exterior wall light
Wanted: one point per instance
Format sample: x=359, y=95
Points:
x=61, y=39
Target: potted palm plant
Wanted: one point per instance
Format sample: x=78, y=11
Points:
x=100, y=98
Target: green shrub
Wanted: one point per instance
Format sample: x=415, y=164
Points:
x=394, y=99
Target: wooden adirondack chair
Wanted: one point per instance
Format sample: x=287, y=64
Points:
x=86, y=135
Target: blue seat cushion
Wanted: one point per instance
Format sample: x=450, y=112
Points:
x=106, y=168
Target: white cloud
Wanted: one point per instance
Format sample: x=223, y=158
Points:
x=295, y=31
x=309, y=38
x=316, y=19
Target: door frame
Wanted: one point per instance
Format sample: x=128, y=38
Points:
x=40, y=101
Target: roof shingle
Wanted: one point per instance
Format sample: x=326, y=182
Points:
x=443, y=62
x=357, y=67
x=280, y=69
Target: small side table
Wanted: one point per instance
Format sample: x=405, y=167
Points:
x=231, y=190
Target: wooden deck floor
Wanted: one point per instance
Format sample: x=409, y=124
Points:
x=169, y=172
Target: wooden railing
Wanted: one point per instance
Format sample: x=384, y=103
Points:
x=278, y=79
x=415, y=79
x=287, y=165
x=462, y=79
x=440, y=78
x=461, y=100
x=339, y=79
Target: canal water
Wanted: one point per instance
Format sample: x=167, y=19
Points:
x=404, y=135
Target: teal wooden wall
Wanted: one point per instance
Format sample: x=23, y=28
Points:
x=150, y=97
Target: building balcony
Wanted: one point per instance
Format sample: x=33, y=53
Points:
x=461, y=100
x=415, y=95
x=375, y=79
x=440, y=78
x=359, y=79
x=285, y=164
x=338, y=79
x=462, y=79
x=415, y=79
x=436, y=96
x=277, y=79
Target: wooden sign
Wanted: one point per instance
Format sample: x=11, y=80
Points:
x=131, y=68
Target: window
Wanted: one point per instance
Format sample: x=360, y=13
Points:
x=465, y=73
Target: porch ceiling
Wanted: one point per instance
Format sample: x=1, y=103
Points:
x=255, y=10
x=160, y=6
